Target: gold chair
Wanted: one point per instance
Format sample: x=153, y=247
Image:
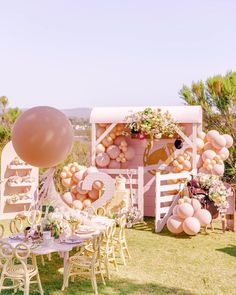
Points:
x=2, y=230
x=16, y=225
x=17, y=269
x=120, y=241
x=80, y=264
x=101, y=211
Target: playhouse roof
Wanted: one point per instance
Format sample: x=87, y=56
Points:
x=181, y=114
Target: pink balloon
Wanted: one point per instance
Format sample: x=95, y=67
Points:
x=42, y=136
x=174, y=224
x=100, y=148
x=78, y=176
x=130, y=153
x=77, y=204
x=98, y=185
x=200, y=144
x=203, y=170
x=218, y=169
x=102, y=160
x=199, y=161
x=175, y=210
x=119, y=139
x=204, y=217
x=113, y=151
x=67, y=182
x=187, y=165
x=224, y=151
x=100, y=131
x=80, y=197
x=218, y=142
x=208, y=146
x=201, y=135
x=196, y=205
x=114, y=164
x=79, y=188
x=191, y=226
x=93, y=194
x=208, y=155
x=229, y=140
x=68, y=198
x=185, y=210
x=212, y=134
x=87, y=203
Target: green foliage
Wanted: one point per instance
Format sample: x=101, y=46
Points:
x=217, y=97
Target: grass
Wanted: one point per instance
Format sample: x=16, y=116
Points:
x=161, y=264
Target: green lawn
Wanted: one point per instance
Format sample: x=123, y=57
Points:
x=161, y=264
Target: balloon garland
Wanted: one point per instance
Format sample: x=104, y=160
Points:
x=72, y=177
x=212, y=151
x=114, y=150
x=188, y=217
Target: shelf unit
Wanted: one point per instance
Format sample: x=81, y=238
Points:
x=10, y=210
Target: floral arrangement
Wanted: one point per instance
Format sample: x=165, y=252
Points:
x=217, y=191
x=132, y=215
x=151, y=122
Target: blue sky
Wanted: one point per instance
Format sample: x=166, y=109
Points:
x=75, y=53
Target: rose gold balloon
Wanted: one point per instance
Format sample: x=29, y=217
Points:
x=102, y=160
x=79, y=188
x=114, y=164
x=113, y=151
x=80, y=197
x=229, y=140
x=42, y=136
x=98, y=185
x=100, y=131
x=93, y=194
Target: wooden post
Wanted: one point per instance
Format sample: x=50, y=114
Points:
x=141, y=190
x=158, y=201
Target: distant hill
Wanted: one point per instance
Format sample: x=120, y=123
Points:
x=78, y=113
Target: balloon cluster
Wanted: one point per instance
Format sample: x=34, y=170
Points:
x=212, y=151
x=188, y=217
x=72, y=177
x=114, y=149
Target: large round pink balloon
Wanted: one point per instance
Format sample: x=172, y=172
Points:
x=191, y=226
x=208, y=146
x=130, y=153
x=114, y=164
x=196, y=205
x=225, y=152
x=212, y=134
x=185, y=210
x=174, y=224
x=208, y=154
x=42, y=136
x=204, y=217
x=218, y=142
x=80, y=175
x=229, y=140
x=102, y=160
x=113, y=151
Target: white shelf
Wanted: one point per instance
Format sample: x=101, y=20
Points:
x=21, y=184
x=19, y=167
x=20, y=202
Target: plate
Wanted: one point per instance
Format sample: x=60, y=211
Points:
x=17, y=237
x=72, y=241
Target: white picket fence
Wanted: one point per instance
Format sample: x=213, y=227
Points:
x=166, y=196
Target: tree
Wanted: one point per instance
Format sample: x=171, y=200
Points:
x=217, y=97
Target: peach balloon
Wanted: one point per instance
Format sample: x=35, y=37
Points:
x=191, y=226
x=200, y=144
x=201, y=135
x=81, y=197
x=79, y=188
x=93, y=194
x=107, y=142
x=100, y=131
x=180, y=159
x=104, y=125
x=208, y=154
x=175, y=210
x=181, y=201
x=187, y=165
x=212, y=134
x=73, y=189
x=204, y=217
x=175, y=224
x=196, y=205
x=114, y=164
x=102, y=160
x=119, y=139
x=67, y=182
x=78, y=176
x=225, y=152
x=68, y=198
x=185, y=210
x=98, y=185
x=218, y=169
x=42, y=136
x=100, y=148
x=77, y=204
x=180, y=167
x=218, y=142
x=87, y=203
x=130, y=153
x=203, y=170
x=175, y=163
x=113, y=151
x=199, y=161
x=229, y=140
x=63, y=174
x=208, y=146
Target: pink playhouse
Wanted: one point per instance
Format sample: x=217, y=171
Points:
x=154, y=193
